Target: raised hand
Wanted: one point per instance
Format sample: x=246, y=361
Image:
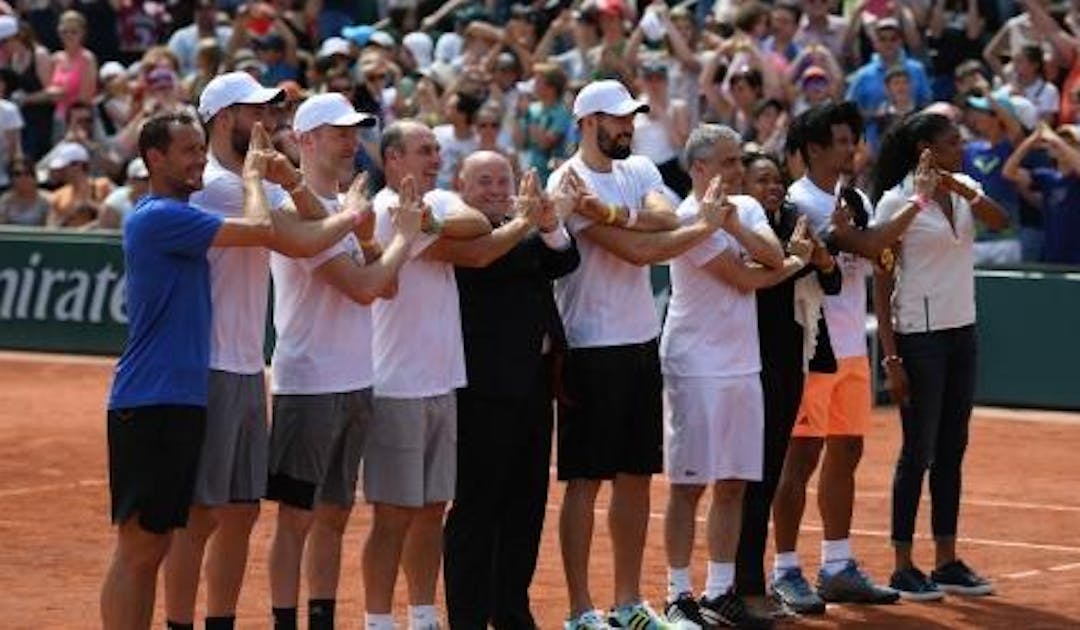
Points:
x=800, y=244
x=564, y=200
x=356, y=200
x=260, y=152
x=927, y=176
x=713, y=207
x=528, y=203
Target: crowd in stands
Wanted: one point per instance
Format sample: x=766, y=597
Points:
x=78, y=78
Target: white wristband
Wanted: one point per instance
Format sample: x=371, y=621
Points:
x=557, y=239
x=631, y=217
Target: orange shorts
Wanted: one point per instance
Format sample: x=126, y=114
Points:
x=836, y=404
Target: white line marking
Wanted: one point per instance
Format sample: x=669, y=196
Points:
x=83, y=483
x=1021, y=574
x=994, y=503
x=1065, y=567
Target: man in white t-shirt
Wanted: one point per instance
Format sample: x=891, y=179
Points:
x=232, y=465
x=714, y=413
x=410, y=458
x=457, y=138
x=610, y=426
x=322, y=362
x=835, y=411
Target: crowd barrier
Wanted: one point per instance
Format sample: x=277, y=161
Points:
x=64, y=292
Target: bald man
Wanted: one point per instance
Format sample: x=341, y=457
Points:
x=512, y=332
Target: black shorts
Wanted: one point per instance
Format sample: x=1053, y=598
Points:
x=611, y=420
x=153, y=460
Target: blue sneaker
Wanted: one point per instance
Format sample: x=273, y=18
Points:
x=637, y=617
x=793, y=591
x=851, y=586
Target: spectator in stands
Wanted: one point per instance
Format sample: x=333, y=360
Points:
x=661, y=132
x=78, y=202
x=457, y=137
x=783, y=27
x=112, y=105
x=1059, y=186
x=186, y=41
x=954, y=35
x=32, y=64
x=278, y=54
x=820, y=26
x=11, y=125
x=120, y=202
x=24, y=204
x=74, y=69
x=867, y=87
x=1028, y=80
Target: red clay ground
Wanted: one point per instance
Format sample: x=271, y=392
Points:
x=1020, y=519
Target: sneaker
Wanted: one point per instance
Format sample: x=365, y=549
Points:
x=637, y=617
x=590, y=620
x=730, y=610
x=957, y=577
x=852, y=586
x=683, y=613
x=792, y=590
x=766, y=606
x=913, y=584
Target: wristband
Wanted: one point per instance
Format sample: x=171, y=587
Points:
x=631, y=217
x=369, y=244
x=920, y=200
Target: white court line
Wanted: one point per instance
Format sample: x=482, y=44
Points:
x=1065, y=567
x=1021, y=574
x=994, y=503
x=71, y=485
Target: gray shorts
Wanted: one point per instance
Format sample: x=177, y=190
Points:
x=316, y=444
x=411, y=455
x=232, y=462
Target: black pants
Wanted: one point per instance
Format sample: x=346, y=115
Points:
x=940, y=367
x=782, y=387
x=492, y=534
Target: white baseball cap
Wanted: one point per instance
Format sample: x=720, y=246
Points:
x=331, y=108
x=111, y=69
x=1024, y=111
x=234, y=88
x=333, y=46
x=9, y=26
x=606, y=97
x=67, y=153
x=136, y=169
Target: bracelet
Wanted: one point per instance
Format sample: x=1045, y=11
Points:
x=369, y=244
x=612, y=215
x=891, y=359
x=920, y=200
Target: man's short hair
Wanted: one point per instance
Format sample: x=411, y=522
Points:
x=969, y=67
x=703, y=139
x=393, y=137
x=156, y=133
x=816, y=124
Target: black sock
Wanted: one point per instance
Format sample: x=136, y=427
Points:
x=172, y=625
x=284, y=618
x=221, y=623
x=321, y=614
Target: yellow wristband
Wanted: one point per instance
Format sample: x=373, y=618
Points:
x=369, y=244
x=612, y=215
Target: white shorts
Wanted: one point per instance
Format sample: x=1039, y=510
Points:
x=713, y=428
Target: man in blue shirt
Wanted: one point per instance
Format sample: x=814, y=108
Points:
x=868, y=83
x=157, y=407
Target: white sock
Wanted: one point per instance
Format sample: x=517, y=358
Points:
x=783, y=561
x=378, y=622
x=423, y=616
x=678, y=582
x=720, y=579
x=835, y=555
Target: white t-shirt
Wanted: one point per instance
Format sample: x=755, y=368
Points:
x=1044, y=96
x=711, y=326
x=10, y=119
x=417, y=345
x=845, y=314
x=323, y=336
x=607, y=301
x=935, y=278
x=239, y=276
x=452, y=150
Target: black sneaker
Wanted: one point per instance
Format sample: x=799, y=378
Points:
x=683, y=611
x=852, y=586
x=729, y=610
x=793, y=591
x=913, y=584
x=957, y=577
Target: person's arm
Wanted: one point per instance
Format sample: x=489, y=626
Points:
x=432, y=21
x=992, y=53
x=974, y=24
x=747, y=277
x=88, y=79
x=678, y=127
x=874, y=239
x=255, y=227
x=560, y=25
x=365, y=283
x=656, y=213
x=282, y=29
x=1063, y=152
x=647, y=248
x=895, y=375
x=760, y=242
x=480, y=251
x=984, y=208
x=936, y=26
x=1065, y=45
x=680, y=48
x=1012, y=170
x=462, y=222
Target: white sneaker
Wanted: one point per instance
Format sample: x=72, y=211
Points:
x=590, y=620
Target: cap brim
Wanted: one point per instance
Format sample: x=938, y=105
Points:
x=625, y=108
x=262, y=96
x=355, y=119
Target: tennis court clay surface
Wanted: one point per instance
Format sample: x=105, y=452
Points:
x=1019, y=524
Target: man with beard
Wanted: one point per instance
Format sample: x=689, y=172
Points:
x=610, y=425
x=158, y=404
x=410, y=457
x=835, y=411
x=232, y=467
x=322, y=362
x=512, y=336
